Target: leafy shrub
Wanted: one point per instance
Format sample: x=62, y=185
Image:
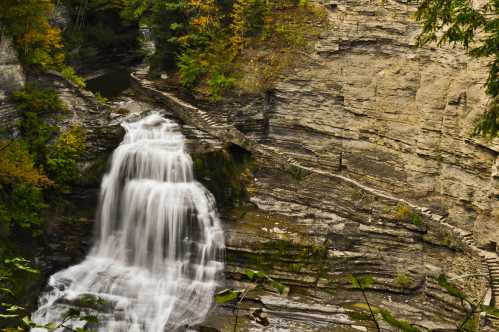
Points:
x=34, y=103
x=404, y=212
x=402, y=280
x=23, y=162
x=248, y=18
x=64, y=154
x=218, y=84
x=17, y=165
x=216, y=45
x=22, y=206
x=70, y=74
x=21, y=183
x=100, y=98
x=38, y=100
x=190, y=69
x=38, y=43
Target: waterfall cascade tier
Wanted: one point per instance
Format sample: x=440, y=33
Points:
x=159, y=243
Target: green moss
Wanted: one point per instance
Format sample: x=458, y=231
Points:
x=401, y=325
x=283, y=255
x=402, y=280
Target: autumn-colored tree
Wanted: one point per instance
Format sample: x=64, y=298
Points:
x=16, y=165
x=248, y=17
x=65, y=153
x=38, y=42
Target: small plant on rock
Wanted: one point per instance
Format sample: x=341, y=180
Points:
x=402, y=280
x=404, y=212
x=236, y=296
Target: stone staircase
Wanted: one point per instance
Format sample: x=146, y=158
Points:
x=229, y=134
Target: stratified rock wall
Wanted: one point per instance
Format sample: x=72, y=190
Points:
x=12, y=78
x=371, y=105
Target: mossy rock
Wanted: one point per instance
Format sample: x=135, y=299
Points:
x=226, y=173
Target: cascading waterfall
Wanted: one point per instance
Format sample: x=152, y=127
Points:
x=160, y=244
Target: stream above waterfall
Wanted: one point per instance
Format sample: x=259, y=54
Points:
x=159, y=244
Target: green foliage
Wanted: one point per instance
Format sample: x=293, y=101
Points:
x=100, y=98
x=261, y=279
x=42, y=101
x=404, y=212
x=21, y=205
x=248, y=19
x=218, y=84
x=401, y=325
x=227, y=174
x=220, y=45
x=70, y=74
x=18, y=166
x=35, y=103
x=27, y=21
x=64, y=154
x=361, y=282
x=490, y=310
x=21, y=264
x=402, y=280
x=476, y=28
x=35, y=162
x=488, y=124
x=452, y=290
x=228, y=295
x=21, y=184
x=11, y=269
x=190, y=69
x=473, y=308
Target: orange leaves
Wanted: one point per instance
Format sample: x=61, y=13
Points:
x=17, y=165
x=28, y=22
x=204, y=14
x=201, y=21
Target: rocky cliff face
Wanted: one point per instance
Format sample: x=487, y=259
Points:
x=12, y=78
x=368, y=106
x=371, y=105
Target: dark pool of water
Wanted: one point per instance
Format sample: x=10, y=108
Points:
x=111, y=84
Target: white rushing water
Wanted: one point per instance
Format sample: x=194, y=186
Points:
x=159, y=245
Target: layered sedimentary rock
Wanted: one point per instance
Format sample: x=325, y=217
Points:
x=12, y=78
x=372, y=105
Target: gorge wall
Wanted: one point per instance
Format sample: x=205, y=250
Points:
x=370, y=104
